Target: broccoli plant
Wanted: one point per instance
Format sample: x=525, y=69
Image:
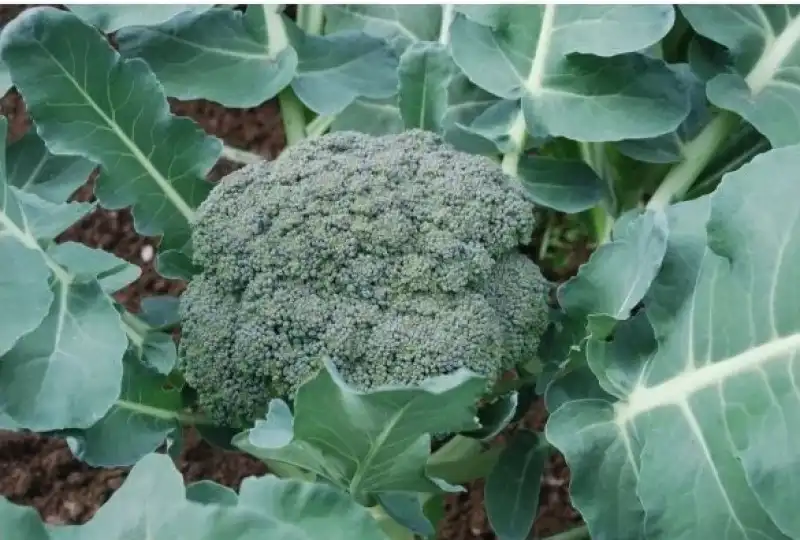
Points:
x=366, y=312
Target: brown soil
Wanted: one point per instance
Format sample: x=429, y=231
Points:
x=41, y=472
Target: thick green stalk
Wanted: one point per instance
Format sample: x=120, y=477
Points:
x=293, y=114
x=310, y=18
x=163, y=414
x=697, y=154
x=517, y=137
x=319, y=125
x=292, y=109
x=240, y=156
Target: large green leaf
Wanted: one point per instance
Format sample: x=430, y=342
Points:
x=336, y=69
x=425, y=72
x=575, y=68
x=668, y=148
x=619, y=273
x=511, y=493
x=566, y=185
x=142, y=418
x=110, y=18
x=765, y=46
x=708, y=392
x=33, y=168
x=367, y=442
x=214, y=55
x=399, y=25
x=111, y=111
x=295, y=504
x=66, y=373
x=152, y=504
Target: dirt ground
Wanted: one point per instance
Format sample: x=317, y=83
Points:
x=41, y=472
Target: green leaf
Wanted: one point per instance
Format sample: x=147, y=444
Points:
x=87, y=263
x=495, y=417
x=764, y=43
x=219, y=44
x=159, y=352
x=372, y=116
x=277, y=430
x=111, y=111
x=668, y=148
x=25, y=296
x=21, y=522
x=569, y=186
x=152, y=504
x=425, y=72
x=575, y=68
x=110, y=18
x=140, y=421
x=32, y=168
x=376, y=441
x=175, y=264
x=476, y=121
x=45, y=380
x=160, y=311
x=710, y=399
x=208, y=492
x=334, y=70
x=406, y=509
x=45, y=220
x=5, y=79
x=511, y=493
x=399, y=25
x=297, y=506
x=619, y=273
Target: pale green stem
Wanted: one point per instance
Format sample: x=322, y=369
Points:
x=135, y=328
x=162, y=414
x=578, y=533
x=697, y=154
x=448, y=14
x=310, y=18
x=602, y=215
x=293, y=114
x=319, y=125
x=517, y=136
x=292, y=109
x=240, y=156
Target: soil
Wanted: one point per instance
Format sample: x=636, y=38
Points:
x=41, y=472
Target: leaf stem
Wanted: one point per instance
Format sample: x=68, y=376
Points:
x=517, y=137
x=293, y=115
x=240, y=156
x=135, y=328
x=319, y=125
x=311, y=18
x=448, y=14
x=578, y=533
x=697, y=155
x=163, y=414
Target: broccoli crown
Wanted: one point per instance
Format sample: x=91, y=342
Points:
x=395, y=256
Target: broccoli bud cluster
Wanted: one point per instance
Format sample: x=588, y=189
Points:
x=395, y=256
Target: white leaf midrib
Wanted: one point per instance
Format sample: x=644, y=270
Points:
x=676, y=390
x=775, y=53
x=533, y=84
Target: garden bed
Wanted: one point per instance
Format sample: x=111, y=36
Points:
x=41, y=472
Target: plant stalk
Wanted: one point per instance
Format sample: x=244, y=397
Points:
x=293, y=115
x=292, y=109
x=697, y=154
x=319, y=125
x=311, y=18
x=517, y=136
x=240, y=156
x=163, y=414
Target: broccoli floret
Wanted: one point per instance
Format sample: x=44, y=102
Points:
x=395, y=256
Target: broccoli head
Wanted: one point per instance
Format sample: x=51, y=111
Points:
x=394, y=256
